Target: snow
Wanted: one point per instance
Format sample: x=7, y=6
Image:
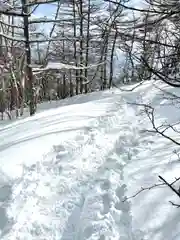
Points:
x=67, y=171
x=61, y=66
x=5, y=6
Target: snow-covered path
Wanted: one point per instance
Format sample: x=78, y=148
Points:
x=66, y=179
x=65, y=172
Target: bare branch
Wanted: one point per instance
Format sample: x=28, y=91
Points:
x=149, y=110
x=137, y=9
x=150, y=187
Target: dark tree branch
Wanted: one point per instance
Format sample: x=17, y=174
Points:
x=170, y=186
x=160, y=75
x=138, y=9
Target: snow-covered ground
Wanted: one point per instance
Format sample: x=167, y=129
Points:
x=66, y=172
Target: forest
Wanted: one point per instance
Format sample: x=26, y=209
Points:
x=83, y=46
x=89, y=119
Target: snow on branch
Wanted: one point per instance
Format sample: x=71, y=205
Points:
x=10, y=25
x=44, y=20
x=170, y=13
x=51, y=40
x=12, y=13
x=141, y=39
x=4, y=6
x=62, y=66
x=9, y=10
x=161, y=76
x=12, y=38
x=22, y=39
x=40, y=2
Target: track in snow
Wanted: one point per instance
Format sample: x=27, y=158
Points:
x=75, y=192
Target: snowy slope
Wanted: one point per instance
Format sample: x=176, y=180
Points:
x=66, y=171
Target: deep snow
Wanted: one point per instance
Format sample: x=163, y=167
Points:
x=66, y=172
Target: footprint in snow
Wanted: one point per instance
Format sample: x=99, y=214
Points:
x=59, y=148
x=5, y=195
x=106, y=203
x=122, y=205
x=106, y=184
x=61, y=151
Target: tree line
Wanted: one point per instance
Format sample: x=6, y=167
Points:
x=85, y=46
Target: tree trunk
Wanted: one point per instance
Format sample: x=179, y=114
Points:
x=81, y=46
x=31, y=97
x=111, y=61
x=75, y=48
x=87, y=47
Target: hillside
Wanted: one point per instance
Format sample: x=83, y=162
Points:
x=67, y=171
